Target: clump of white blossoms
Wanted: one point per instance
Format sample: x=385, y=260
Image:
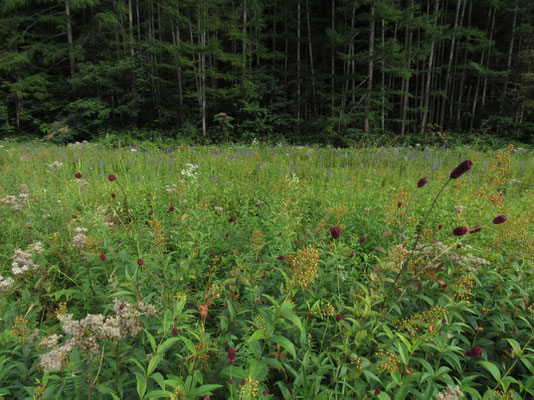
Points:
x=6, y=284
x=450, y=393
x=23, y=260
x=78, y=241
x=190, y=171
x=82, y=183
x=17, y=203
x=171, y=189
x=54, y=165
x=90, y=331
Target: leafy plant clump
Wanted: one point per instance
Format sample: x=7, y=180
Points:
x=265, y=273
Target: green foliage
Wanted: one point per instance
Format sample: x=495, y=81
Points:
x=192, y=251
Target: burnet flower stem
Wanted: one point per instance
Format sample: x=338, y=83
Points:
x=409, y=259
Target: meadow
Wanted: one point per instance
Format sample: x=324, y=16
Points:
x=265, y=272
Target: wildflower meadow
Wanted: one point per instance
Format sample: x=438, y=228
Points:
x=265, y=272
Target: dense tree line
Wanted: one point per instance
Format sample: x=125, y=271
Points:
x=315, y=70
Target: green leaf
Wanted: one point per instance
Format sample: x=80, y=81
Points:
x=257, y=335
x=285, y=343
x=492, y=368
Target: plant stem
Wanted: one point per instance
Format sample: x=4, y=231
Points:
x=405, y=264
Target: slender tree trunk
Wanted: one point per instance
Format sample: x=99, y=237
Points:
x=429, y=74
x=310, y=49
x=130, y=27
x=449, y=68
x=298, y=63
x=484, y=90
x=405, y=101
x=481, y=63
x=179, y=67
x=332, y=56
x=509, y=61
x=275, y=18
x=371, y=68
x=244, y=42
x=138, y=20
x=69, y=39
x=462, y=79
x=383, y=111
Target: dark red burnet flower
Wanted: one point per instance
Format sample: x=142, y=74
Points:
x=422, y=182
x=243, y=382
x=335, y=231
x=265, y=392
x=281, y=258
x=74, y=216
x=474, y=352
x=111, y=177
x=78, y=175
x=103, y=257
x=440, y=226
x=363, y=239
x=377, y=391
x=140, y=262
x=150, y=212
x=232, y=219
x=339, y=317
x=499, y=219
x=460, y=231
x=175, y=331
x=113, y=195
x=231, y=356
x=171, y=208
x=399, y=204
x=461, y=169
x=476, y=229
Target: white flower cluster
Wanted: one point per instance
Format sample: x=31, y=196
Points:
x=54, y=165
x=23, y=260
x=450, y=393
x=82, y=183
x=438, y=249
x=171, y=189
x=17, y=203
x=78, y=241
x=93, y=329
x=5, y=284
x=190, y=171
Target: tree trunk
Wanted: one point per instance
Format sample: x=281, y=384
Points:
x=69, y=39
x=405, y=101
x=482, y=57
x=244, y=42
x=509, y=61
x=130, y=27
x=332, y=57
x=429, y=74
x=310, y=49
x=298, y=63
x=449, y=68
x=483, y=102
x=371, y=68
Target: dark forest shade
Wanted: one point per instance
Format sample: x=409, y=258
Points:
x=312, y=71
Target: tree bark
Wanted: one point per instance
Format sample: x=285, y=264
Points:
x=429, y=74
x=405, y=100
x=69, y=39
x=449, y=68
x=371, y=68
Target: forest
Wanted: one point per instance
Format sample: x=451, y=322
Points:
x=305, y=71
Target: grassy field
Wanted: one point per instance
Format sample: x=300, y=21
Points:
x=265, y=272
